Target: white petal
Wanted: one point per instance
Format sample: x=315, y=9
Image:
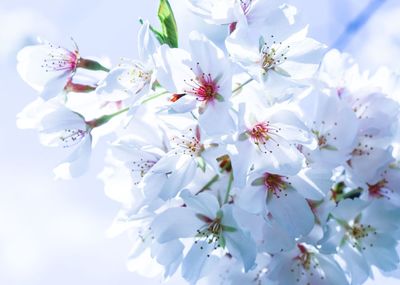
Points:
x=252, y=199
x=54, y=87
x=167, y=254
x=176, y=223
x=77, y=163
x=203, y=203
x=195, y=260
x=172, y=69
x=291, y=211
x=239, y=243
x=30, y=62
x=147, y=43
x=276, y=239
x=216, y=120
x=210, y=57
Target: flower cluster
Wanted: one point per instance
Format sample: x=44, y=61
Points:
x=265, y=160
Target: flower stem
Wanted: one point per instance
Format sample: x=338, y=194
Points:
x=154, y=97
x=242, y=85
x=214, y=179
x=228, y=190
x=105, y=118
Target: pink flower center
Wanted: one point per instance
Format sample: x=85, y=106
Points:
x=71, y=137
x=274, y=183
x=60, y=59
x=259, y=132
x=204, y=87
x=377, y=190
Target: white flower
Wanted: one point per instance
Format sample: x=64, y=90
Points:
x=363, y=234
x=334, y=125
x=275, y=55
x=50, y=69
x=67, y=129
x=46, y=64
x=377, y=113
x=216, y=12
x=341, y=72
x=200, y=79
x=267, y=143
x=386, y=186
x=275, y=195
x=212, y=228
x=132, y=79
x=232, y=12
x=305, y=265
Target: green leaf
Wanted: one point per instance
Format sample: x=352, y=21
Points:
x=168, y=24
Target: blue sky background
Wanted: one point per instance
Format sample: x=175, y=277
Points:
x=53, y=232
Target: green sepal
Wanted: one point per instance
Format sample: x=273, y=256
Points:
x=203, y=218
x=91, y=65
x=329, y=147
x=281, y=71
x=228, y=229
x=243, y=136
x=219, y=97
x=222, y=241
x=201, y=163
x=258, y=182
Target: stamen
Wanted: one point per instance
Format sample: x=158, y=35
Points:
x=259, y=132
x=141, y=166
x=136, y=77
x=273, y=54
x=71, y=137
x=60, y=59
x=275, y=184
x=203, y=86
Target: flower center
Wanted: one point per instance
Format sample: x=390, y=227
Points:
x=259, y=132
x=376, y=190
x=188, y=145
x=71, y=137
x=275, y=183
x=60, y=59
x=357, y=233
x=304, y=257
x=272, y=54
x=204, y=86
x=136, y=78
x=306, y=267
x=211, y=232
x=140, y=167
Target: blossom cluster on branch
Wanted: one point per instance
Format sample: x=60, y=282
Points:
x=265, y=160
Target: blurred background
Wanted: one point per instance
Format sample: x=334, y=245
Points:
x=53, y=232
